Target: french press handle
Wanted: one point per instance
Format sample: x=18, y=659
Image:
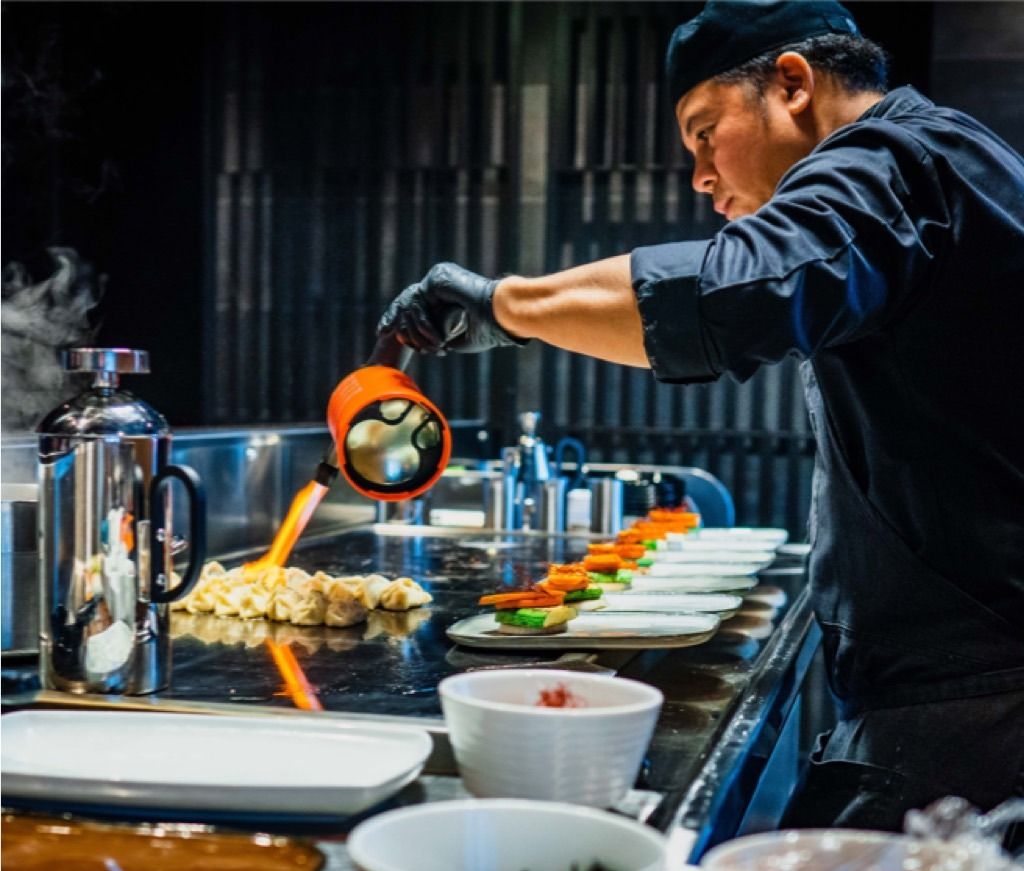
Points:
x=196, y=536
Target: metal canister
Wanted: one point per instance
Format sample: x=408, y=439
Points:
x=552, y=505
x=606, y=505
x=106, y=543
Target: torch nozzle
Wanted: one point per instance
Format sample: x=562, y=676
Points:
x=327, y=469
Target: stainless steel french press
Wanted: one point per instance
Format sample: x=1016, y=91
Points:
x=106, y=542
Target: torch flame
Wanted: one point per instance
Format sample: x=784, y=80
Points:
x=295, y=680
x=302, y=508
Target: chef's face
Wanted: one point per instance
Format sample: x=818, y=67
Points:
x=742, y=143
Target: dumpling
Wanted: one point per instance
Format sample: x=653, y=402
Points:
x=281, y=603
x=203, y=596
x=352, y=584
x=297, y=579
x=373, y=586
x=343, y=608
x=227, y=600
x=309, y=609
x=254, y=603
x=212, y=569
x=321, y=582
x=269, y=579
x=402, y=594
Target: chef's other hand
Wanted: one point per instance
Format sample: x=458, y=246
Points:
x=449, y=310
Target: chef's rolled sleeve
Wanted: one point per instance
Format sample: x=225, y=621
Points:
x=851, y=231
x=666, y=281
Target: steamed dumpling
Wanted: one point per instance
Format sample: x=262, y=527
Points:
x=343, y=608
x=281, y=603
x=227, y=600
x=373, y=586
x=269, y=579
x=254, y=603
x=403, y=594
x=309, y=609
x=297, y=579
x=204, y=596
x=321, y=582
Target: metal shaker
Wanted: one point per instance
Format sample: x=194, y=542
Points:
x=106, y=543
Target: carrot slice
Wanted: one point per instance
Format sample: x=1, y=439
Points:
x=548, y=601
x=630, y=551
x=521, y=599
x=602, y=547
x=566, y=569
x=602, y=562
x=564, y=586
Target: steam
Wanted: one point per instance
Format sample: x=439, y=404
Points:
x=37, y=320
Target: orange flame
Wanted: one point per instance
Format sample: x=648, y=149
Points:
x=295, y=680
x=302, y=508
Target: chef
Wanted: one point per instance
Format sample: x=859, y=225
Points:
x=880, y=238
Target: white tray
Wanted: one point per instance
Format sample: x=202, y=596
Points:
x=772, y=537
x=647, y=584
x=723, y=604
x=760, y=558
x=231, y=764
x=693, y=543
x=594, y=631
x=687, y=570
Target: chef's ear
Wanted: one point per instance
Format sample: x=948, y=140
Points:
x=796, y=77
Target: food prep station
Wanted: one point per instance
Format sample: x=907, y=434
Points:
x=726, y=749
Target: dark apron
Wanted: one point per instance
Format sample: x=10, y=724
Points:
x=917, y=666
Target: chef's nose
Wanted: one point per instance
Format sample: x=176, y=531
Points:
x=704, y=176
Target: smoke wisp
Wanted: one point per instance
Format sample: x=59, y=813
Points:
x=37, y=320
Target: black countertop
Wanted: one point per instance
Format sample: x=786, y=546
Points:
x=718, y=695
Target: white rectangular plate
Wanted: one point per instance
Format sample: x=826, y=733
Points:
x=723, y=604
x=674, y=542
x=594, y=631
x=760, y=558
x=771, y=536
x=237, y=764
x=686, y=570
x=647, y=584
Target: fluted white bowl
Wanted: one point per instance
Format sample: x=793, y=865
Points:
x=503, y=835
x=507, y=746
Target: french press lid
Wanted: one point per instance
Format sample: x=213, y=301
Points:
x=105, y=409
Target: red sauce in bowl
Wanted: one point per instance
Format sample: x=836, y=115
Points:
x=559, y=697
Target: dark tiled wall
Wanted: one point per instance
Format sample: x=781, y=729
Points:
x=978, y=64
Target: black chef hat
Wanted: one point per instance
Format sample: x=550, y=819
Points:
x=728, y=33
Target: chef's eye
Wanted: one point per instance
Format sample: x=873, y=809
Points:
x=704, y=135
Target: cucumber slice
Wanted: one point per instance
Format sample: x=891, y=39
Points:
x=581, y=595
x=622, y=576
x=535, y=617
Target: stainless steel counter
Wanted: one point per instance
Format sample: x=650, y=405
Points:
x=730, y=710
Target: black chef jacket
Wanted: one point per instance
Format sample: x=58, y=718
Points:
x=891, y=259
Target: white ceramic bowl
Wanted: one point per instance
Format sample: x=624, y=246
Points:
x=829, y=849
x=503, y=835
x=507, y=746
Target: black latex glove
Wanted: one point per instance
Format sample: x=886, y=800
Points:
x=420, y=313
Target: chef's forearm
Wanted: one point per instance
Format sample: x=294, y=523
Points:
x=589, y=309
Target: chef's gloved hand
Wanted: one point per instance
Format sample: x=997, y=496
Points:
x=449, y=310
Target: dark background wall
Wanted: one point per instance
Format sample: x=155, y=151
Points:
x=255, y=181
